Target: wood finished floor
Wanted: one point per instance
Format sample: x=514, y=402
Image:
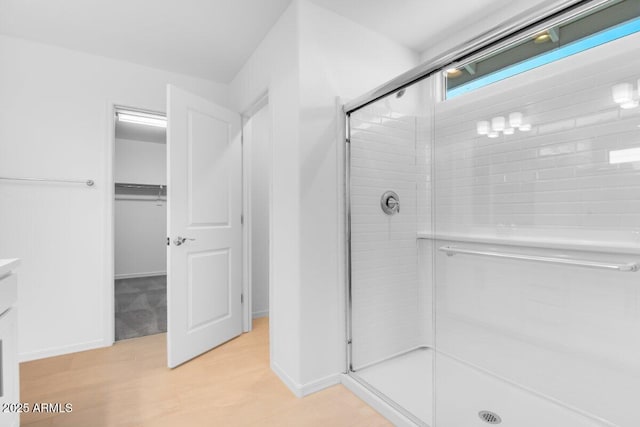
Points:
x=129, y=384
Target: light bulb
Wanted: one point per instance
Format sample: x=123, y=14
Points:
x=622, y=93
x=508, y=131
x=497, y=123
x=515, y=120
x=453, y=72
x=482, y=127
x=493, y=134
x=525, y=127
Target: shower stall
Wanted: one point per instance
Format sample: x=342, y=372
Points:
x=493, y=223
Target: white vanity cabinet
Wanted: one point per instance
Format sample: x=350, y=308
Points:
x=9, y=373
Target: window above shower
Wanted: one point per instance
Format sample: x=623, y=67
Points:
x=576, y=34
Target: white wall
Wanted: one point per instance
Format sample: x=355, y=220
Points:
x=140, y=162
x=54, y=122
x=338, y=58
x=309, y=58
x=273, y=68
x=384, y=255
x=140, y=226
x=258, y=146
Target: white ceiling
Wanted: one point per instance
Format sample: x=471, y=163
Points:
x=213, y=38
x=205, y=38
x=422, y=24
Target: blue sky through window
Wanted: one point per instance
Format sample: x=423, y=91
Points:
x=577, y=46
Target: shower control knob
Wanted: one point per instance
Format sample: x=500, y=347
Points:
x=390, y=203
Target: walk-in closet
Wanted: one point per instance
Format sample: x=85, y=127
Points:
x=140, y=223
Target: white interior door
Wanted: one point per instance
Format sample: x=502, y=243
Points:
x=204, y=187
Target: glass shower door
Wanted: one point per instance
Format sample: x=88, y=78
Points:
x=391, y=328
x=537, y=229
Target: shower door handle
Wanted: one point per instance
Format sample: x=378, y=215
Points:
x=180, y=240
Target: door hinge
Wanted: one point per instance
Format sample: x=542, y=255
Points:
x=241, y=219
x=168, y=241
x=241, y=298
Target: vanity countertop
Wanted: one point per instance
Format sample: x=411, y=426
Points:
x=8, y=265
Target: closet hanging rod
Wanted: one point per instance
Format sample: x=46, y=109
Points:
x=87, y=182
x=141, y=198
x=628, y=267
x=140, y=186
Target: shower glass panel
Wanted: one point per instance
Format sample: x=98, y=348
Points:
x=495, y=244
x=543, y=165
x=391, y=293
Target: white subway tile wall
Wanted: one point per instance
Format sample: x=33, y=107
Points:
x=387, y=300
x=555, y=180
x=571, y=334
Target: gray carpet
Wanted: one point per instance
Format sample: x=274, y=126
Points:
x=141, y=306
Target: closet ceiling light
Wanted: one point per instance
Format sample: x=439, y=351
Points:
x=508, y=131
x=525, y=127
x=143, y=119
x=493, y=134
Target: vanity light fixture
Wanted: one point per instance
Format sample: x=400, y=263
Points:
x=624, y=95
x=497, y=124
x=515, y=120
x=483, y=127
x=142, y=118
x=507, y=125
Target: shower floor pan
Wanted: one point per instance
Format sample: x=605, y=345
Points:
x=406, y=382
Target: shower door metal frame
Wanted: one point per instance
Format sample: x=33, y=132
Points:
x=522, y=26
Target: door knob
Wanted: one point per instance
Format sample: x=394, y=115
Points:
x=180, y=240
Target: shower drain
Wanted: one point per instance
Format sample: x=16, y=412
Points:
x=489, y=417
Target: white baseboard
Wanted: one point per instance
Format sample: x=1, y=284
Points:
x=302, y=390
x=321, y=384
x=261, y=313
x=58, y=351
x=295, y=388
x=136, y=275
x=382, y=407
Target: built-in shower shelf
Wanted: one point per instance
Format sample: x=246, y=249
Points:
x=528, y=242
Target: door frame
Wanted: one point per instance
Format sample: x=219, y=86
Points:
x=109, y=212
x=247, y=288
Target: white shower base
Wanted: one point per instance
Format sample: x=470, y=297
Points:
x=407, y=380
x=463, y=391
